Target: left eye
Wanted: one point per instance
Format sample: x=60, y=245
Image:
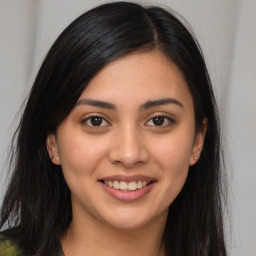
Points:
x=159, y=121
x=96, y=121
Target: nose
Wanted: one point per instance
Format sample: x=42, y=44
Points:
x=128, y=148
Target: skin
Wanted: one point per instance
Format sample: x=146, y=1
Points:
x=126, y=143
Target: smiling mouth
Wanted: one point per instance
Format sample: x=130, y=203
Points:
x=127, y=186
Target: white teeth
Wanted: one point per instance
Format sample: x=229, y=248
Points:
x=123, y=185
x=139, y=184
x=116, y=184
x=132, y=185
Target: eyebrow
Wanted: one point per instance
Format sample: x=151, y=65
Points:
x=96, y=103
x=144, y=106
x=160, y=102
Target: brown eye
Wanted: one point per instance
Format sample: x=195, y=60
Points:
x=96, y=121
x=160, y=121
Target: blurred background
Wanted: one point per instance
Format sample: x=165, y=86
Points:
x=226, y=31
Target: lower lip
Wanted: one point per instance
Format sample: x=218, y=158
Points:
x=128, y=196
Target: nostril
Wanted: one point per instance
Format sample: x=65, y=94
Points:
x=128, y=153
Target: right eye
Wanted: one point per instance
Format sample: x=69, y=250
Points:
x=160, y=121
x=95, y=121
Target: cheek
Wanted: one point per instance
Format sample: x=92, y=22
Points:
x=173, y=152
x=80, y=155
x=172, y=156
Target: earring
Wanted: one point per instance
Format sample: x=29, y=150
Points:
x=195, y=158
x=53, y=158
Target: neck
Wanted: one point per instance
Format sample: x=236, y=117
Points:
x=90, y=237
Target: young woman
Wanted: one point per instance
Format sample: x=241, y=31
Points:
x=118, y=149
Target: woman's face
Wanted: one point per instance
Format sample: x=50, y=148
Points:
x=126, y=147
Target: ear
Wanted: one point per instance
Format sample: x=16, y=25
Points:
x=52, y=149
x=198, y=143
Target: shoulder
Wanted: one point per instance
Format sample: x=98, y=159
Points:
x=7, y=248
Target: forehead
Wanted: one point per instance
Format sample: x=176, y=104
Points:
x=138, y=77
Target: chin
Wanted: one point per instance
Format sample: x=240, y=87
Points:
x=128, y=224
x=135, y=220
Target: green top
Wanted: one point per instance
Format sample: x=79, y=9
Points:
x=7, y=248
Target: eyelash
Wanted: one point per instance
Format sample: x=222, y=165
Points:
x=162, y=118
x=103, y=120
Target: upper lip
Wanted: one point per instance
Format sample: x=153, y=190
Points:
x=128, y=178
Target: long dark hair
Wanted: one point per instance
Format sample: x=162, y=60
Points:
x=37, y=204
